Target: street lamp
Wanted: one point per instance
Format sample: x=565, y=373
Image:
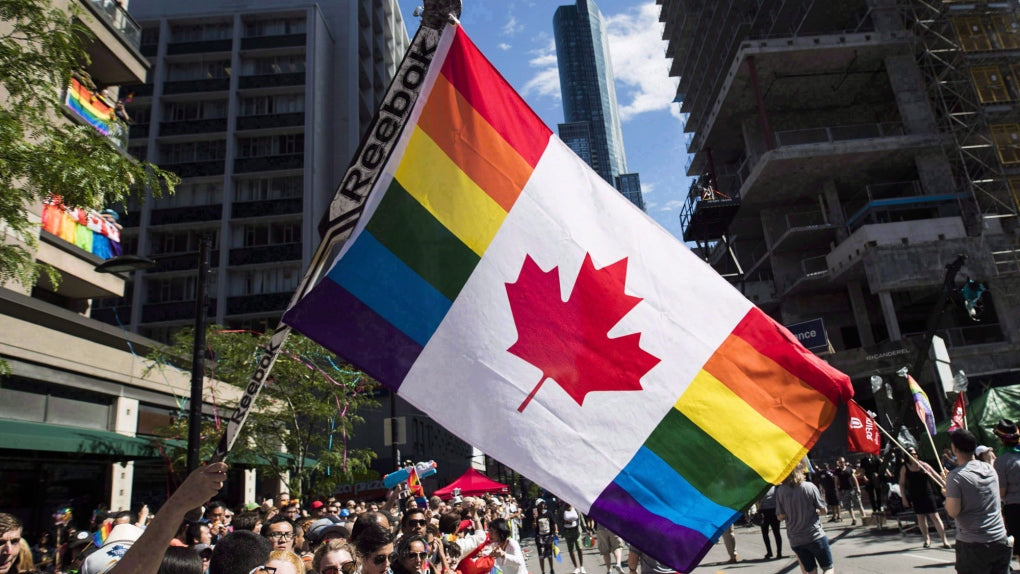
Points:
x=125, y=264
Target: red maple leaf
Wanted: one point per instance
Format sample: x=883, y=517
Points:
x=569, y=340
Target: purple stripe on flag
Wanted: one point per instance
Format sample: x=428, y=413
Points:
x=340, y=322
x=670, y=543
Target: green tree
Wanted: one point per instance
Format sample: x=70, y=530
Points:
x=42, y=153
x=310, y=405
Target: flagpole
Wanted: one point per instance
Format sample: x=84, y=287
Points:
x=938, y=479
x=348, y=202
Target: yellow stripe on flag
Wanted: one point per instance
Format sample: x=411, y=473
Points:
x=441, y=187
x=739, y=428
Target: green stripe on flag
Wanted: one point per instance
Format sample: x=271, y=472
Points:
x=411, y=233
x=704, y=463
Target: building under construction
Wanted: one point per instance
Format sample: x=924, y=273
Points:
x=844, y=155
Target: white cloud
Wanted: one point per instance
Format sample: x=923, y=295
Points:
x=672, y=205
x=647, y=188
x=504, y=46
x=546, y=81
x=512, y=26
x=642, y=78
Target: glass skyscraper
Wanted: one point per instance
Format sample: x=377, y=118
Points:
x=591, y=119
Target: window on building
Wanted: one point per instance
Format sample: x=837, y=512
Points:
x=989, y=84
x=180, y=241
x=272, y=104
x=1008, y=30
x=138, y=151
x=273, y=233
x=273, y=65
x=262, y=281
x=170, y=289
x=188, y=111
x=972, y=33
x=184, y=152
x=140, y=114
x=193, y=193
x=150, y=36
x=274, y=27
x=263, y=146
x=201, y=32
x=1007, y=142
x=268, y=188
x=200, y=70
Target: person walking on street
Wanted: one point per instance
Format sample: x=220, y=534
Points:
x=799, y=503
x=767, y=504
x=917, y=491
x=849, y=490
x=545, y=531
x=1007, y=469
x=572, y=527
x=972, y=499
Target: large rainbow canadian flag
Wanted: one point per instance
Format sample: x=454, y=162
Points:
x=494, y=281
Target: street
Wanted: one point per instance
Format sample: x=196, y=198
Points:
x=860, y=549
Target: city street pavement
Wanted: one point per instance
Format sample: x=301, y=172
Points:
x=860, y=549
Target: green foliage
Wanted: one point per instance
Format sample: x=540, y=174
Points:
x=43, y=153
x=310, y=406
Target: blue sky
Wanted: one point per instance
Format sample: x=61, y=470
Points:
x=517, y=36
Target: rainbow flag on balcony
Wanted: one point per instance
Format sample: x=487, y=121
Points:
x=91, y=107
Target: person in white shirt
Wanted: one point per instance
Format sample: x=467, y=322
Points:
x=506, y=550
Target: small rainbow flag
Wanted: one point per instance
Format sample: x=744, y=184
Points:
x=556, y=549
x=485, y=257
x=102, y=533
x=921, y=405
x=414, y=484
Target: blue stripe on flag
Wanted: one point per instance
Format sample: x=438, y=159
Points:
x=656, y=486
x=389, y=287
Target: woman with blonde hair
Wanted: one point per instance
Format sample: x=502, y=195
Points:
x=335, y=557
x=25, y=564
x=285, y=562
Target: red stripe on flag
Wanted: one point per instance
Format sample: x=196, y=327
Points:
x=779, y=344
x=494, y=99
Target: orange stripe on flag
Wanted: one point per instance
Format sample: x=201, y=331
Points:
x=774, y=392
x=474, y=145
x=777, y=343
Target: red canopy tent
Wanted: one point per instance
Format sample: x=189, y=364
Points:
x=471, y=483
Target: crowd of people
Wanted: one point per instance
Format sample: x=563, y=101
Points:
x=195, y=534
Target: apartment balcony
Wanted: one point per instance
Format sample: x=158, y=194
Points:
x=213, y=125
x=201, y=47
x=196, y=86
x=885, y=202
x=76, y=268
x=188, y=214
x=246, y=209
x=272, y=80
x=803, y=229
x=269, y=163
x=180, y=261
x=265, y=254
x=174, y=311
x=271, y=42
x=801, y=159
x=812, y=273
x=270, y=121
x=707, y=212
x=95, y=109
x=260, y=303
x=195, y=168
x=114, y=54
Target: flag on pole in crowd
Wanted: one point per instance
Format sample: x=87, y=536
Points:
x=414, y=484
x=101, y=533
x=862, y=433
x=491, y=267
x=959, y=418
x=921, y=405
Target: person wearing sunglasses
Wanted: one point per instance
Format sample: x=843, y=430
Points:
x=334, y=557
x=374, y=544
x=280, y=532
x=412, y=555
x=414, y=523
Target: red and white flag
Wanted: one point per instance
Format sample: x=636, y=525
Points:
x=959, y=418
x=862, y=433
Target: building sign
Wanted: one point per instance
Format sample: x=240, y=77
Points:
x=811, y=334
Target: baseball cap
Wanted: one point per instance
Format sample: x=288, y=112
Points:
x=80, y=539
x=325, y=527
x=317, y=505
x=981, y=449
x=113, y=549
x=203, y=550
x=345, y=512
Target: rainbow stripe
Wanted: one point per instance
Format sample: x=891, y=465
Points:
x=921, y=405
x=398, y=279
x=90, y=107
x=697, y=471
x=100, y=535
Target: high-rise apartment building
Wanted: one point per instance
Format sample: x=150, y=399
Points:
x=591, y=117
x=845, y=153
x=80, y=403
x=258, y=106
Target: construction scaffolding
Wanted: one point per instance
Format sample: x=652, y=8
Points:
x=969, y=52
